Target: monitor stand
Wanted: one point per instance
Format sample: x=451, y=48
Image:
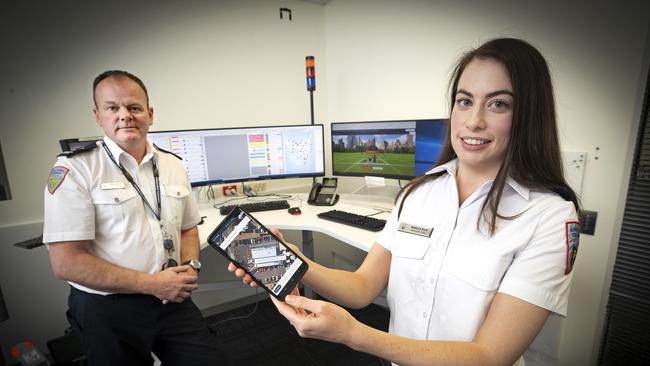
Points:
x=378, y=189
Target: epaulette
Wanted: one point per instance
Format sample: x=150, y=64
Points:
x=165, y=151
x=78, y=150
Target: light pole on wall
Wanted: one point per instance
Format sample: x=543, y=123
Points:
x=310, y=71
x=310, y=65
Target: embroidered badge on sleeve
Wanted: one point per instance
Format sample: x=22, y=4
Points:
x=572, y=243
x=57, y=175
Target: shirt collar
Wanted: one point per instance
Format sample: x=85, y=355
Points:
x=451, y=167
x=117, y=151
x=522, y=190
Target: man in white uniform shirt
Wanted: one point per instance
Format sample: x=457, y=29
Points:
x=120, y=224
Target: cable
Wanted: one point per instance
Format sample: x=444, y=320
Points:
x=240, y=316
x=219, y=204
x=377, y=213
x=286, y=196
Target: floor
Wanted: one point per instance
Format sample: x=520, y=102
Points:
x=256, y=334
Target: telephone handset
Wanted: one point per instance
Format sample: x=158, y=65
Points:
x=324, y=194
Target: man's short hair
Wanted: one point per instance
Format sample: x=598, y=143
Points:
x=118, y=74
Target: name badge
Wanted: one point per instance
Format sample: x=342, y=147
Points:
x=113, y=185
x=415, y=229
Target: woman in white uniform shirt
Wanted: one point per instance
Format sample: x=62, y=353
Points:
x=478, y=252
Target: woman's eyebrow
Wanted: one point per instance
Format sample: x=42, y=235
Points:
x=499, y=92
x=489, y=95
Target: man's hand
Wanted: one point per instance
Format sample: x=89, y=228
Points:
x=174, y=284
x=191, y=271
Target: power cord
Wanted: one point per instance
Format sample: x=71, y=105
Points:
x=248, y=191
x=213, y=325
x=217, y=205
x=377, y=213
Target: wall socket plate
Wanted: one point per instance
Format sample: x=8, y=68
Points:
x=588, y=222
x=229, y=190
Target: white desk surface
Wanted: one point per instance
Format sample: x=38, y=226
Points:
x=307, y=220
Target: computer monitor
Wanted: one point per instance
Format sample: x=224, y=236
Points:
x=389, y=149
x=223, y=155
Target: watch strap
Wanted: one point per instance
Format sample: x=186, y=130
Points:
x=190, y=263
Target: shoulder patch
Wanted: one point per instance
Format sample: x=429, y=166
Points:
x=91, y=146
x=165, y=151
x=57, y=176
x=572, y=237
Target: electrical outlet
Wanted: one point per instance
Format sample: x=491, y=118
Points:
x=588, y=222
x=230, y=190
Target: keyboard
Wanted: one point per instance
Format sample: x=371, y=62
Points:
x=348, y=218
x=256, y=206
x=31, y=243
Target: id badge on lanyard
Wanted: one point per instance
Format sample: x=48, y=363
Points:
x=168, y=242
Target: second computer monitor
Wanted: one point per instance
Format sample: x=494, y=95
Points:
x=389, y=149
x=240, y=154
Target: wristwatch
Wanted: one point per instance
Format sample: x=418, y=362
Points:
x=194, y=263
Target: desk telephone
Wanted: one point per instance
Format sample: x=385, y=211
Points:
x=324, y=194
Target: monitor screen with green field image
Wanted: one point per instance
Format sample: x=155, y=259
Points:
x=391, y=149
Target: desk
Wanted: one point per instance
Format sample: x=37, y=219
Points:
x=308, y=221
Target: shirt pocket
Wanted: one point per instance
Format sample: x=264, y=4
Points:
x=483, y=273
x=113, y=209
x=410, y=246
x=174, y=203
x=406, y=285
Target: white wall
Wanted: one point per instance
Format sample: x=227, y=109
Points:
x=392, y=59
x=205, y=63
x=235, y=63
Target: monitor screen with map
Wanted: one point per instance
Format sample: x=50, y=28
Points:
x=391, y=149
x=240, y=154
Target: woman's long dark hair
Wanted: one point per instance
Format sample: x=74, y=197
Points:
x=533, y=156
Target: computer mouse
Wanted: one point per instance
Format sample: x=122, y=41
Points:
x=294, y=210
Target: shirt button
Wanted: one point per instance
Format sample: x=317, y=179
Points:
x=424, y=314
x=431, y=280
x=116, y=200
x=178, y=194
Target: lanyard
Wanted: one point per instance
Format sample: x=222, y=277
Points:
x=135, y=185
x=168, y=244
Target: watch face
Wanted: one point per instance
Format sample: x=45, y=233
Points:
x=195, y=264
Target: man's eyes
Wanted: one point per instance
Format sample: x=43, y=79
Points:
x=132, y=109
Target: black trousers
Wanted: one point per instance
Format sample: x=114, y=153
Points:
x=124, y=329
